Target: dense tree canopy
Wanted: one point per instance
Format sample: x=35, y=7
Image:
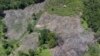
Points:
x=15, y=4
x=91, y=14
x=47, y=38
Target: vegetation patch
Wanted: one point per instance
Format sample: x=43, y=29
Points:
x=1, y=28
x=94, y=50
x=91, y=14
x=47, y=39
x=65, y=7
x=84, y=24
x=38, y=52
x=16, y=4
x=32, y=22
x=43, y=52
x=6, y=47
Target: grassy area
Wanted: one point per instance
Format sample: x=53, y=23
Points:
x=2, y=50
x=65, y=7
x=45, y=52
x=14, y=4
x=84, y=24
x=32, y=22
x=38, y=52
x=1, y=28
x=7, y=47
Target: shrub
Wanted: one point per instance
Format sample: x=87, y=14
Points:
x=47, y=37
x=91, y=14
x=94, y=50
x=32, y=52
x=64, y=7
x=22, y=54
x=1, y=28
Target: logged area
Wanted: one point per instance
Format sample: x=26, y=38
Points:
x=49, y=28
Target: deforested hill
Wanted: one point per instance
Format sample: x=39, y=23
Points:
x=49, y=28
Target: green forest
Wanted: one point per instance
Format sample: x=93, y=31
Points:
x=16, y=4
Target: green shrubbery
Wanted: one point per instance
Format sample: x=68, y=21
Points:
x=6, y=47
x=91, y=13
x=38, y=52
x=94, y=50
x=84, y=24
x=16, y=4
x=42, y=52
x=47, y=38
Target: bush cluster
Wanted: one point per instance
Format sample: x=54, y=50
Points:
x=47, y=38
x=6, y=47
x=16, y=4
x=91, y=14
x=94, y=50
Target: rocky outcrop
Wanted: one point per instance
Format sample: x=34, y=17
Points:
x=72, y=39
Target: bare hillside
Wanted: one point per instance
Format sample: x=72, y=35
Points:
x=72, y=39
